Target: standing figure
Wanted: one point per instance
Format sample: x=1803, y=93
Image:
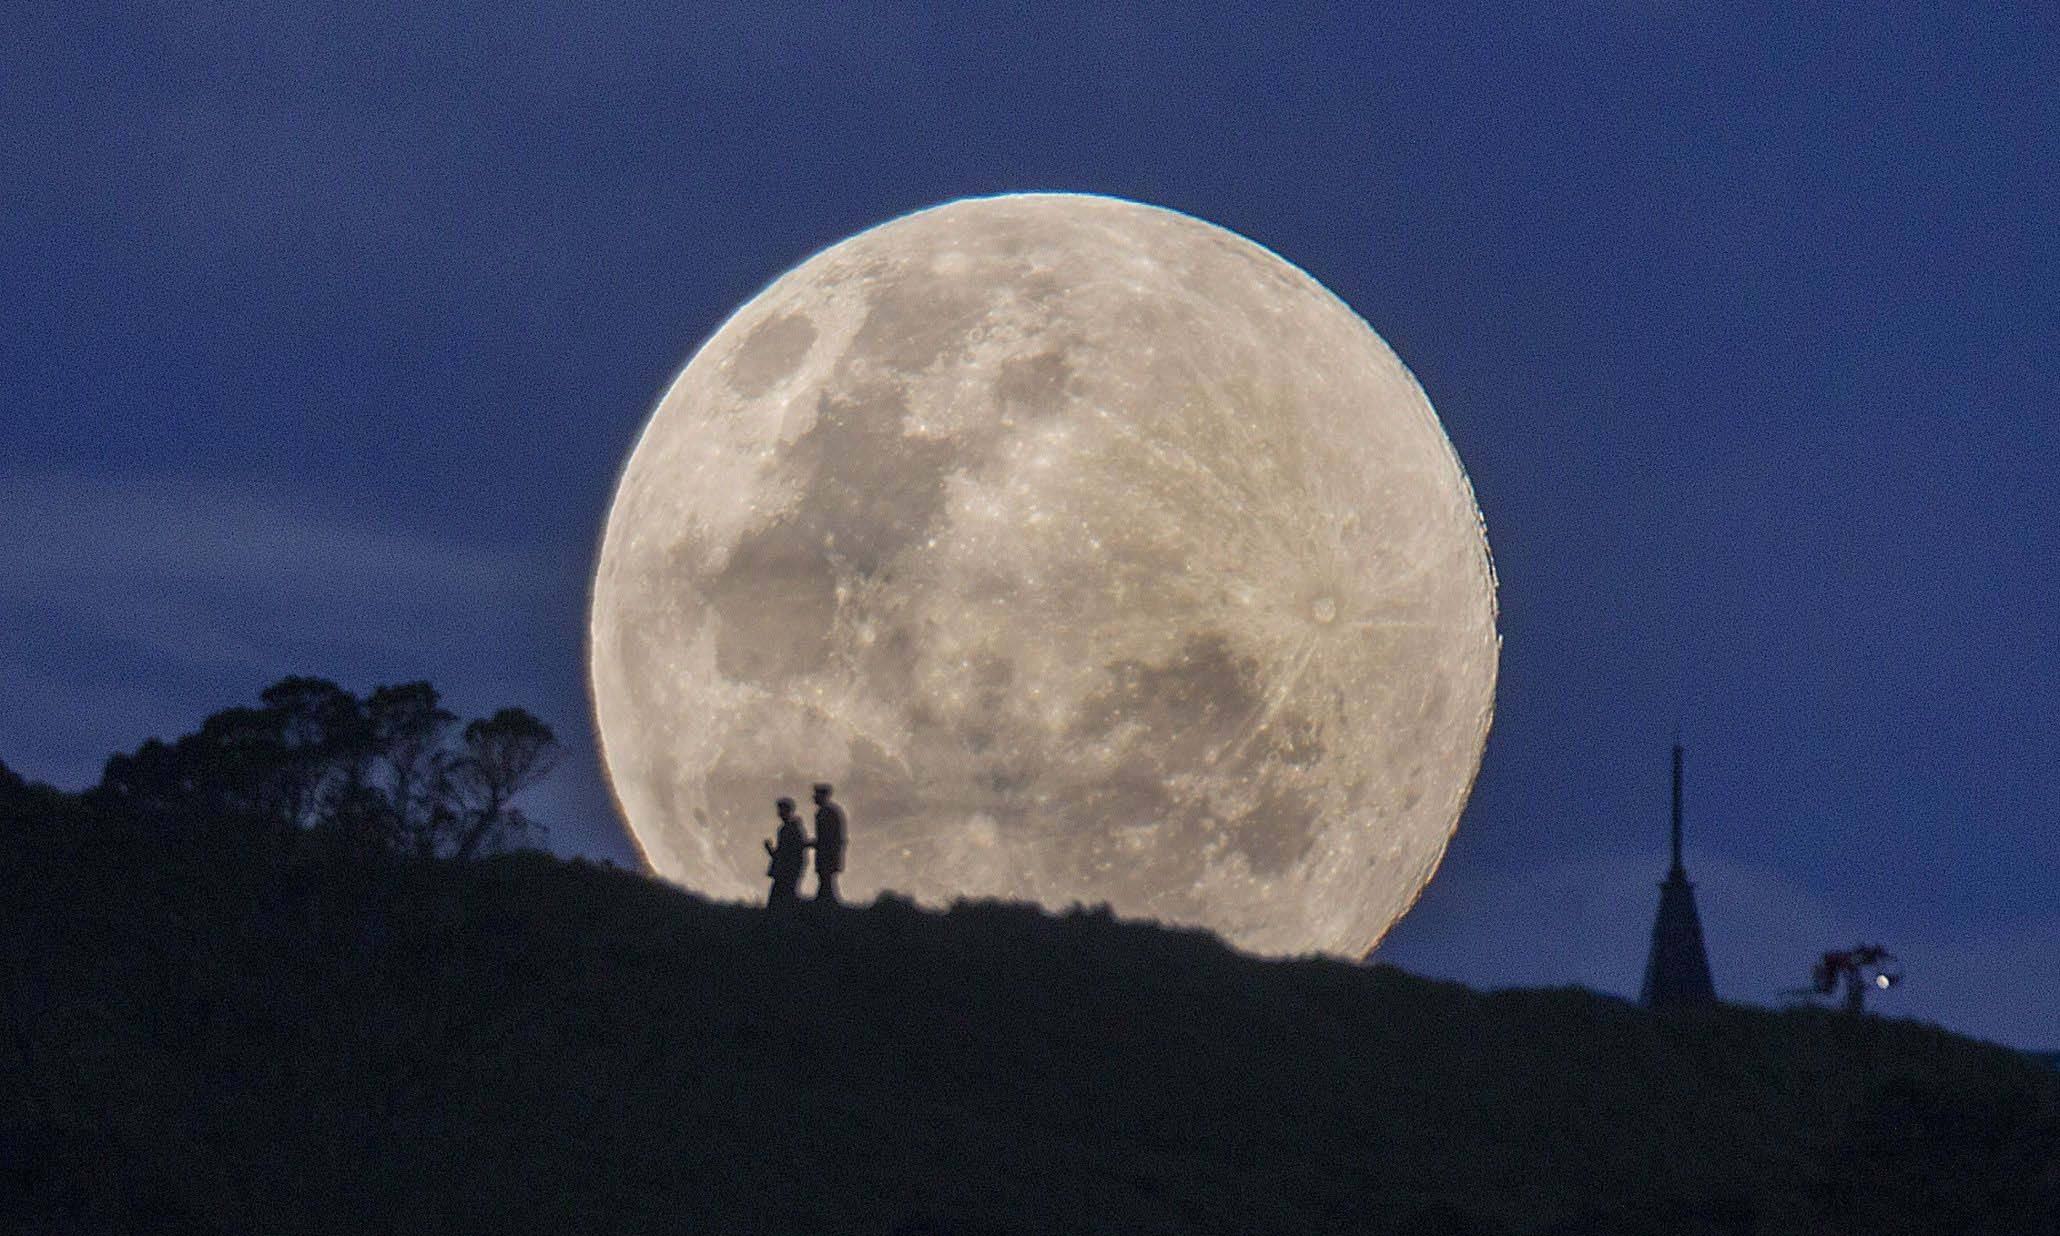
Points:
x=829, y=844
x=787, y=859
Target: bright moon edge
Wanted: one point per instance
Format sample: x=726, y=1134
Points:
x=1482, y=557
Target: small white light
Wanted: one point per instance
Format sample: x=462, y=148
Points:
x=1881, y=981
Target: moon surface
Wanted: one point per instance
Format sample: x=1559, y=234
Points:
x=1096, y=553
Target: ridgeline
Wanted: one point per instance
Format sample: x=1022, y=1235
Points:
x=217, y=1031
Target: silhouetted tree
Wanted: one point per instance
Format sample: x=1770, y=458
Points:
x=318, y=722
x=235, y=770
x=359, y=815
x=504, y=755
x=232, y=766
x=405, y=730
x=157, y=784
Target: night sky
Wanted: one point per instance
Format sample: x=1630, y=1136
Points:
x=325, y=335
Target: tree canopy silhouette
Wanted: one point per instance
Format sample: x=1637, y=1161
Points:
x=391, y=771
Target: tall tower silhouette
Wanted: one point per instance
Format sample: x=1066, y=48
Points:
x=1678, y=970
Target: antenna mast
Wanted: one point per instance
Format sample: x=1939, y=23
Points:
x=1676, y=871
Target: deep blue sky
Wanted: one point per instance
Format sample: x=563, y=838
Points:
x=324, y=335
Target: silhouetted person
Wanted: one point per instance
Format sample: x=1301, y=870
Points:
x=787, y=860
x=829, y=844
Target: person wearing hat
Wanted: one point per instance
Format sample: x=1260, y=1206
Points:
x=829, y=844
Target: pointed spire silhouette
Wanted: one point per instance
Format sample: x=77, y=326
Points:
x=1677, y=971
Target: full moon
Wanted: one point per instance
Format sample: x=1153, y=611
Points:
x=1094, y=552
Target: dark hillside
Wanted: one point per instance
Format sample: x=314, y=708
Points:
x=272, y=1034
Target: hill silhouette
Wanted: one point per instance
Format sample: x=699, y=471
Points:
x=272, y=1033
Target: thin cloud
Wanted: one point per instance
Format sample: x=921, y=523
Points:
x=210, y=575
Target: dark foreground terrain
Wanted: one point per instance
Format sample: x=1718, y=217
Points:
x=278, y=1034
